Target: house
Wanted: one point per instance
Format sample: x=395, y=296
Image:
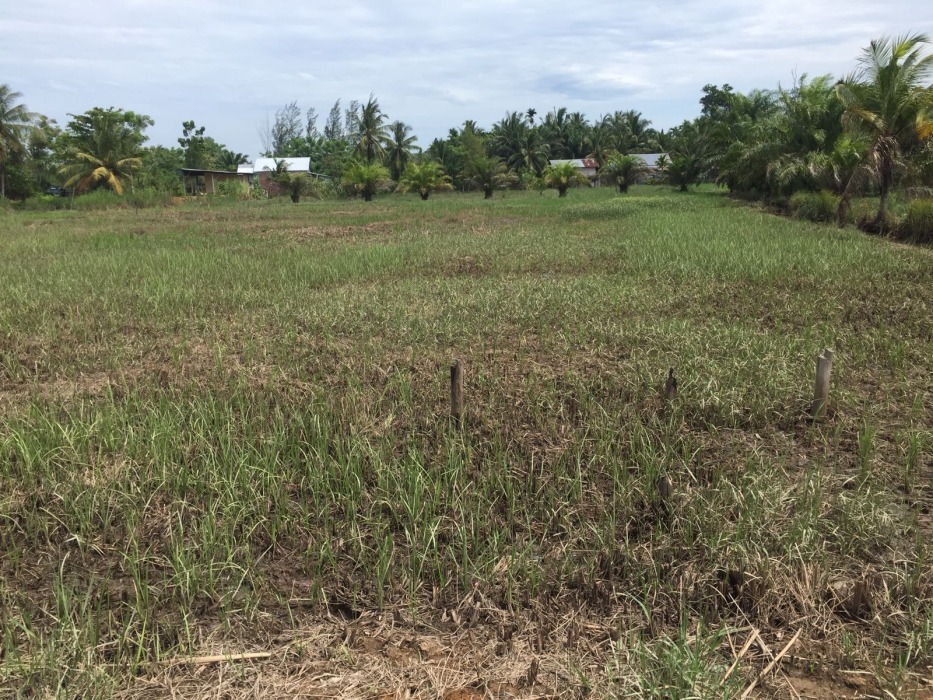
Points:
x=262, y=169
x=205, y=181
x=587, y=166
x=652, y=160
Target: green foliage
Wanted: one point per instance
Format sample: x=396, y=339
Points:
x=682, y=667
x=371, y=131
x=99, y=200
x=14, y=118
x=683, y=171
x=424, y=178
x=487, y=173
x=564, y=176
x=159, y=170
x=399, y=148
x=814, y=206
x=623, y=171
x=296, y=184
x=104, y=148
x=917, y=226
x=238, y=189
x=888, y=101
x=365, y=180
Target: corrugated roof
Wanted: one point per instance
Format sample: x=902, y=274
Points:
x=651, y=159
x=293, y=165
x=245, y=168
x=582, y=163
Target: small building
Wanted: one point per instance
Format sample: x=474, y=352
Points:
x=587, y=166
x=262, y=169
x=204, y=181
x=652, y=161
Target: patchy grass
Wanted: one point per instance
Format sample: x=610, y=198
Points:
x=223, y=426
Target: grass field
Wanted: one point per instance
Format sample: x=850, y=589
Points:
x=224, y=429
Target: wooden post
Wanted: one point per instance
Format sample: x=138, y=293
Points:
x=456, y=390
x=824, y=365
x=670, y=386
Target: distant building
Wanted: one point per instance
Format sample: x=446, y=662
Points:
x=587, y=166
x=204, y=181
x=262, y=169
x=652, y=160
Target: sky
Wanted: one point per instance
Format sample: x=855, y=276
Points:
x=231, y=65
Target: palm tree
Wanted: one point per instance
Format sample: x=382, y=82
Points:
x=600, y=142
x=14, y=120
x=623, y=170
x=488, y=173
x=106, y=150
x=888, y=101
x=365, y=179
x=372, y=132
x=508, y=135
x=532, y=153
x=399, y=148
x=563, y=176
x=424, y=179
x=229, y=160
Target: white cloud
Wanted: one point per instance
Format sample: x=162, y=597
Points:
x=228, y=66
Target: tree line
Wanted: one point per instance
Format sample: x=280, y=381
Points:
x=867, y=132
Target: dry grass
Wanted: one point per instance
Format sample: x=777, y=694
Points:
x=223, y=430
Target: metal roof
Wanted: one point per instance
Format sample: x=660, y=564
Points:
x=292, y=165
x=651, y=159
x=577, y=162
x=207, y=171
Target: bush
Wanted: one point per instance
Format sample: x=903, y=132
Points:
x=917, y=226
x=237, y=189
x=814, y=206
x=97, y=200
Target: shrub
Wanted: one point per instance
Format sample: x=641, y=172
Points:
x=814, y=206
x=917, y=226
x=237, y=189
x=99, y=199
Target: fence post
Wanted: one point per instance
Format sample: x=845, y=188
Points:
x=824, y=366
x=456, y=390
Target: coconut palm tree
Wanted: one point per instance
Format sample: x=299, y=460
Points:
x=106, y=146
x=600, y=142
x=14, y=120
x=508, y=135
x=399, y=148
x=564, y=176
x=532, y=153
x=424, y=179
x=889, y=101
x=372, y=132
x=623, y=171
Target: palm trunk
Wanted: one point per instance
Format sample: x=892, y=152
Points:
x=882, y=208
x=2, y=181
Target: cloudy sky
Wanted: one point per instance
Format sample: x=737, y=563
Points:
x=230, y=65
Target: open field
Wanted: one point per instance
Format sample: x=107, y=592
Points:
x=224, y=429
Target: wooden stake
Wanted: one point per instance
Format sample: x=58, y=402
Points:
x=824, y=366
x=456, y=391
x=670, y=386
